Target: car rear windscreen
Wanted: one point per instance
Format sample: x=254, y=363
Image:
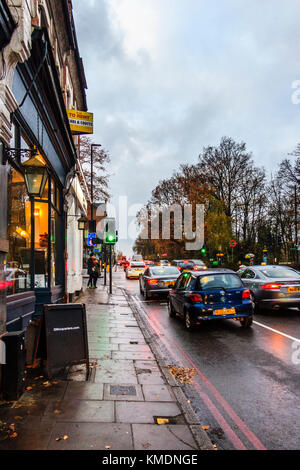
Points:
x=219, y=281
x=280, y=272
x=137, y=265
x=165, y=271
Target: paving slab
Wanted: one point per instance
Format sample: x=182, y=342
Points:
x=162, y=437
x=100, y=355
x=135, y=347
x=32, y=434
x=84, y=391
x=45, y=389
x=152, y=378
x=132, y=355
x=91, y=436
x=144, y=412
x=113, y=377
x=81, y=411
x=127, y=340
x=95, y=346
x=157, y=393
x=116, y=365
x=147, y=365
x=123, y=392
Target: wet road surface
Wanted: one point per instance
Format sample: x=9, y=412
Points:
x=247, y=384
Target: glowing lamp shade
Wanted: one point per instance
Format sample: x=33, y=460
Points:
x=35, y=175
x=81, y=223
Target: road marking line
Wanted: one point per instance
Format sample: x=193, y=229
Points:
x=276, y=331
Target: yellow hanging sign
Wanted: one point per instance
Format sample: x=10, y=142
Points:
x=80, y=122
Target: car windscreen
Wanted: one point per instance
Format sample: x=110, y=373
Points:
x=197, y=262
x=278, y=272
x=137, y=258
x=219, y=281
x=164, y=271
x=137, y=265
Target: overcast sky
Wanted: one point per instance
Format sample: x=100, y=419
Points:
x=169, y=77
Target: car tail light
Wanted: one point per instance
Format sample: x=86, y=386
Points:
x=195, y=297
x=246, y=294
x=3, y=285
x=271, y=286
x=152, y=281
x=195, y=268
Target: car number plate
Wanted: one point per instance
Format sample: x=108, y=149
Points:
x=169, y=283
x=294, y=289
x=225, y=311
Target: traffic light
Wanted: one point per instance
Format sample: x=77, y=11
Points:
x=203, y=250
x=110, y=235
x=279, y=240
x=111, y=238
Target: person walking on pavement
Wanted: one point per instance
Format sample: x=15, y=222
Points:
x=96, y=273
x=90, y=271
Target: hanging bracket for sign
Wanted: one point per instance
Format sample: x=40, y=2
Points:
x=62, y=339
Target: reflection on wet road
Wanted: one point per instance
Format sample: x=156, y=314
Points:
x=247, y=384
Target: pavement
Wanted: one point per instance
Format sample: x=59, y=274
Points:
x=132, y=401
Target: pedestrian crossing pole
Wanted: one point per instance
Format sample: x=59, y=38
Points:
x=110, y=269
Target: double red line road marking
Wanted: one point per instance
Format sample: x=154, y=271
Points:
x=202, y=381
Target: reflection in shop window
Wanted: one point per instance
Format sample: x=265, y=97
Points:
x=17, y=269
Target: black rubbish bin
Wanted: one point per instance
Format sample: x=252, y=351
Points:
x=13, y=372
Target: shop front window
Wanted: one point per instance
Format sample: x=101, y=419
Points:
x=17, y=268
x=34, y=259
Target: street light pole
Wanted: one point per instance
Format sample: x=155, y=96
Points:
x=92, y=182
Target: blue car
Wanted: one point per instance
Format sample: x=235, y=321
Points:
x=214, y=294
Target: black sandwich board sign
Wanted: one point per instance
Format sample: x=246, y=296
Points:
x=62, y=339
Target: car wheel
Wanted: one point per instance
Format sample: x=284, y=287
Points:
x=145, y=293
x=247, y=322
x=171, y=310
x=141, y=292
x=189, y=326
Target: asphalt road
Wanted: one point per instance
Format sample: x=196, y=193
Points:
x=247, y=384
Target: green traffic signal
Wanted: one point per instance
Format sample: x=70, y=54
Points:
x=203, y=251
x=110, y=238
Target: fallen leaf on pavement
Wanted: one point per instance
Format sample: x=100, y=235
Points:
x=182, y=374
x=18, y=418
x=28, y=388
x=66, y=437
x=107, y=447
x=205, y=428
x=13, y=435
x=57, y=412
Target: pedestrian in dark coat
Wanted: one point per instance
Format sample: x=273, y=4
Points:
x=96, y=273
x=90, y=271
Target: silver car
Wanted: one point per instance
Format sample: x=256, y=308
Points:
x=272, y=286
x=158, y=280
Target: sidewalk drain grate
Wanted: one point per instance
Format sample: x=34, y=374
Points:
x=133, y=342
x=122, y=390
